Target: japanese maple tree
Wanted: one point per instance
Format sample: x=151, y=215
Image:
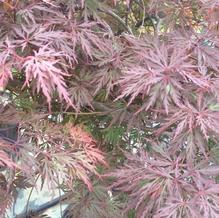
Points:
x=113, y=103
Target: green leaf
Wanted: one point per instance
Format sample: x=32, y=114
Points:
x=168, y=88
x=114, y=134
x=215, y=154
x=214, y=107
x=131, y=213
x=14, y=70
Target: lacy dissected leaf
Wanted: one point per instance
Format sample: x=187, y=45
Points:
x=210, y=10
x=88, y=143
x=5, y=75
x=37, y=35
x=6, y=50
x=6, y=195
x=192, y=126
x=160, y=80
x=30, y=13
x=9, y=115
x=166, y=184
x=42, y=67
x=6, y=152
x=66, y=166
x=64, y=155
x=5, y=65
x=191, y=117
x=86, y=37
x=80, y=94
x=22, y=182
x=96, y=204
x=6, y=201
x=203, y=47
x=110, y=61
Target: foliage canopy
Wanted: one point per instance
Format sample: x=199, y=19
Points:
x=115, y=103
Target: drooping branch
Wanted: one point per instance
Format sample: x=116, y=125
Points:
x=42, y=208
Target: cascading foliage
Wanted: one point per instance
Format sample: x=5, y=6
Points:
x=116, y=103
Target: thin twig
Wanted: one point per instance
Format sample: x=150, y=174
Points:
x=31, y=191
x=82, y=113
x=119, y=19
x=60, y=205
x=144, y=16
